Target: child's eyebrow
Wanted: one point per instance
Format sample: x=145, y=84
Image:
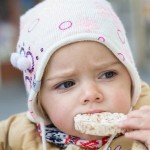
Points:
x=65, y=74
x=106, y=65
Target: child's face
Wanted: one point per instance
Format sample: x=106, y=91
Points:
x=84, y=77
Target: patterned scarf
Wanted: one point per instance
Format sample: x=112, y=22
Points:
x=62, y=140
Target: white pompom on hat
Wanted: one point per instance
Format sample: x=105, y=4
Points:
x=55, y=23
x=20, y=62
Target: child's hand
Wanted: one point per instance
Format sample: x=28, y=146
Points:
x=138, y=123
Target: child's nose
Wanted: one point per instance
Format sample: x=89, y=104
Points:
x=91, y=93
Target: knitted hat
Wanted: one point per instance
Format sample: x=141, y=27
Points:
x=55, y=23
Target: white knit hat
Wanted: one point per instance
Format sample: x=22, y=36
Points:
x=55, y=23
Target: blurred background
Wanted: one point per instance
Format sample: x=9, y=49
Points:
x=135, y=15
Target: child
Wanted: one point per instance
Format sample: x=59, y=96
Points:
x=76, y=59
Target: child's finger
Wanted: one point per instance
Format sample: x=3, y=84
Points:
x=142, y=112
x=135, y=123
x=140, y=135
x=145, y=108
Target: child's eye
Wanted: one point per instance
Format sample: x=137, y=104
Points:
x=108, y=75
x=65, y=85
